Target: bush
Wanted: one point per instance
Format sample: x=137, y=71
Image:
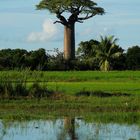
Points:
x=38, y=91
x=19, y=89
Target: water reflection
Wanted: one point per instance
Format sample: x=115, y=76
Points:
x=67, y=129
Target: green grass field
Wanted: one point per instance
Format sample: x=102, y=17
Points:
x=69, y=83
x=106, y=86
x=75, y=81
x=72, y=76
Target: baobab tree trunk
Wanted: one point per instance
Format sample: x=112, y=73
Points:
x=69, y=42
x=69, y=125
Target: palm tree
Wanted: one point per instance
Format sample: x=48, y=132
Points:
x=106, y=51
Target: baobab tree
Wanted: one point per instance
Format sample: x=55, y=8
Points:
x=68, y=13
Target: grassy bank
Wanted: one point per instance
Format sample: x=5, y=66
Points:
x=87, y=107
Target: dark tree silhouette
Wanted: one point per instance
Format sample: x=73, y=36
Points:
x=133, y=58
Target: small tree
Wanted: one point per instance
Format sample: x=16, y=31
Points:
x=87, y=49
x=133, y=58
x=86, y=54
x=79, y=10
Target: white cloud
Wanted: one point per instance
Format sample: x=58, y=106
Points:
x=87, y=31
x=49, y=32
x=99, y=30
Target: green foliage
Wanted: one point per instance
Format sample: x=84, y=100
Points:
x=106, y=51
x=119, y=63
x=39, y=91
x=77, y=8
x=56, y=62
x=18, y=89
x=91, y=55
x=133, y=58
x=87, y=49
x=86, y=54
x=101, y=53
x=9, y=89
x=54, y=6
x=6, y=89
x=38, y=59
x=21, y=59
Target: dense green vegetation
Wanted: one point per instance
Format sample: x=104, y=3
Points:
x=106, y=54
x=89, y=57
x=100, y=53
x=71, y=82
x=40, y=95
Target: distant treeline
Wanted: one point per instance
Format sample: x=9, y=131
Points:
x=87, y=58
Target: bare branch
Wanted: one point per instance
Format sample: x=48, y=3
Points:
x=74, y=16
x=86, y=17
x=61, y=18
x=58, y=22
x=81, y=9
x=79, y=21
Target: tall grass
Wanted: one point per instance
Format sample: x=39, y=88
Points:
x=87, y=107
x=18, y=89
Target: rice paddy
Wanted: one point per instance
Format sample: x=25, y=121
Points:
x=65, y=101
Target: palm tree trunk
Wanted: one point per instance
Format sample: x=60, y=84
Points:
x=69, y=42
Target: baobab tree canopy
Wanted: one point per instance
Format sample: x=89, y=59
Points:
x=78, y=11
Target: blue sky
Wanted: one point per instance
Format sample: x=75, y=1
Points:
x=22, y=26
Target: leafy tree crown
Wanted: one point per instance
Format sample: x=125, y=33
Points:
x=79, y=9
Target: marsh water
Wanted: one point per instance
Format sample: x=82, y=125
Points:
x=67, y=129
